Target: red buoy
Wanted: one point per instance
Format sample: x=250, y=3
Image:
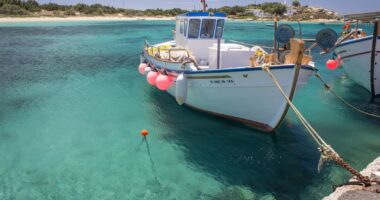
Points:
x=151, y=77
x=331, y=64
x=144, y=132
x=142, y=67
x=163, y=82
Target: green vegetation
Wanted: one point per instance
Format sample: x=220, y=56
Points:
x=274, y=8
x=245, y=11
x=296, y=3
x=33, y=8
x=9, y=9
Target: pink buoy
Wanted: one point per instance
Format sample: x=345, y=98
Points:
x=151, y=77
x=331, y=64
x=163, y=82
x=142, y=67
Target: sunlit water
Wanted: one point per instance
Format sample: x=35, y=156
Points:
x=72, y=106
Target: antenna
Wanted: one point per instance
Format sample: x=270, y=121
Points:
x=204, y=5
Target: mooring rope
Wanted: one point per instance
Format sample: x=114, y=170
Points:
x=343, y=100
x=327, y=152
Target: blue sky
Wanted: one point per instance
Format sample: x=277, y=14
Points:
x=341, y=6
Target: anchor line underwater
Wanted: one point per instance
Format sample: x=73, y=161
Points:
x=327, y=152
x=328, y=87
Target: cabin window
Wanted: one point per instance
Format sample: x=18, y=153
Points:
x=208, y=28
x=221, y=25
x=181, y=26
x=194, y=26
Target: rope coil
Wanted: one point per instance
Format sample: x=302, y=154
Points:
x=327, y=152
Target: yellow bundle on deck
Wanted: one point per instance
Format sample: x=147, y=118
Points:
x=165, y=47
x=152, y=51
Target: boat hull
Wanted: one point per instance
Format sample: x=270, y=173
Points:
x=356, y=56
x=243, y=94
x=246, y=96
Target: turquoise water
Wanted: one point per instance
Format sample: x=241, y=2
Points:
x=72, y=106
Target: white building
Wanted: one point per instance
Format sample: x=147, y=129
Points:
x=258, y=13
x=290, y=11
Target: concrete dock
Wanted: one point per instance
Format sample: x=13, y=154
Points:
x=354, y=192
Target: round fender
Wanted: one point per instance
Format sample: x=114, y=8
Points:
x=181, y=89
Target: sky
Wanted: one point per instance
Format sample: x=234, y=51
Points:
x=340, y=6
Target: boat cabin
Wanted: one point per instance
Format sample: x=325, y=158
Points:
x=197, y=31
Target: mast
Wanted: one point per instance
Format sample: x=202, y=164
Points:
x=373, y=58
x=204, y=5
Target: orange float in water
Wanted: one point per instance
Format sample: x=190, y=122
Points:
x=151, y=77
x=142, y=67
x=332, y=64
x=163, y=82
x=144, y=132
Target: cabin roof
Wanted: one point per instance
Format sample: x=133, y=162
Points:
x=371, y=16
x=204, y=14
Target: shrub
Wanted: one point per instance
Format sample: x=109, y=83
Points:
x=51, y=7
x=274, y=8
x=70, y=12
x=8, y=9
x=95, y=9
x=31, y=6
x=296, y=3
x=13, y=2
x=80, y=7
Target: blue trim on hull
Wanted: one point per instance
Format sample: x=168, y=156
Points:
x=243, y=69
x=236, y=69
x=356, y=40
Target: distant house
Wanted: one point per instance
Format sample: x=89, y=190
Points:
x=290, y=11
x=258, y=13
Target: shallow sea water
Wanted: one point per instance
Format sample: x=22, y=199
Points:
x=72, y=105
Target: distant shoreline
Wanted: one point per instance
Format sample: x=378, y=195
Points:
x=95, y=18
x=123, y=18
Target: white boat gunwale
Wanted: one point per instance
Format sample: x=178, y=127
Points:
x=356, y=40
x=356, y=54
x=234, y=69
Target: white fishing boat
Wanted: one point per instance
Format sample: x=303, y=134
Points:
x=361, y=53
x=201, y=70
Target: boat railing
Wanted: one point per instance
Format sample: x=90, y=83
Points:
x=146, y=44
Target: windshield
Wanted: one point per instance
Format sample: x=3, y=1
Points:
x=208, y=28
x=194, y=26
